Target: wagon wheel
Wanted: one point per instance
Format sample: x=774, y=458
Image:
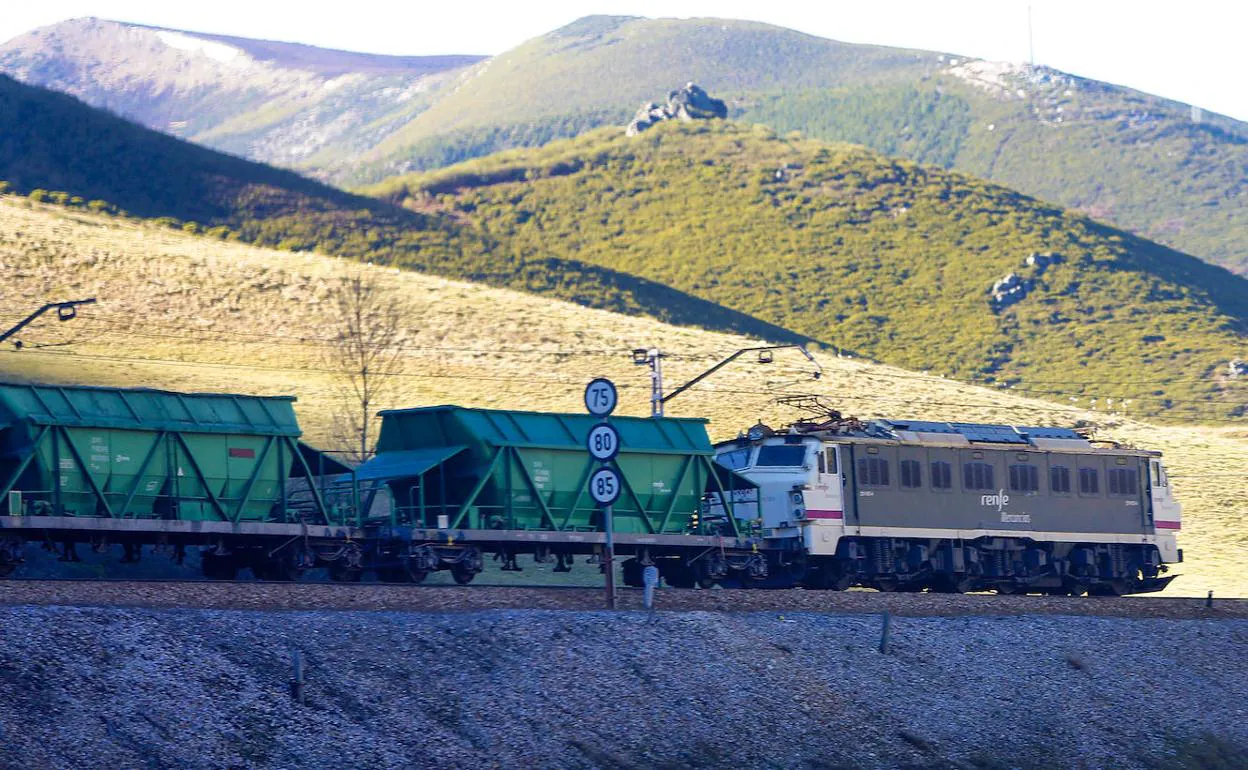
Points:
x=283, y=569
x=7, y=567
x=341, y=573
x=415, y=575
x=462, y=575
x=219, y=567
x=702, y=574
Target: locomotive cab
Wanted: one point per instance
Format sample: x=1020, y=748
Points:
x=800, y=485
x=1166, y=512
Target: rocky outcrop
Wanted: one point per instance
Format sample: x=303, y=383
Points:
x=1014, y=287
x=688, y=104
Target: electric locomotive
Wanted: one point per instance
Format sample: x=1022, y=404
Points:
x=907, y=505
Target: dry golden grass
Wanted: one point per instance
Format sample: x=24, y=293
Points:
x=188, y=313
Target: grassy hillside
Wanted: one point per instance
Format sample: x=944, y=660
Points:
x=879, y=257
x=1131, y=159
x=191, y=313
x=90, y=159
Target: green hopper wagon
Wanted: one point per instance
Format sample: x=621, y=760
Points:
x=149, y=454
x=149, y=461
x=518, y=481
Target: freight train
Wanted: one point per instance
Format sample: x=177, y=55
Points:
x=890, y=505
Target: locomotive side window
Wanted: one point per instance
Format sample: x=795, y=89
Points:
x=1059, y=479
x=872, y=472
x=942, y=475
x=978, y=476
x=1089, y=482
x=1123, y=481
x=911, y=474
x=1024, y=478
x=782, y=455
x=831, y=453
x=822, y=467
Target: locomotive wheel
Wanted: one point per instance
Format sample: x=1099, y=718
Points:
x=955, y=584
x=886, y=586
x=1121, y=587
x=462, y=575
x=1112, y=588
x=7, y=567
x=392, y=575
x=1074, y=586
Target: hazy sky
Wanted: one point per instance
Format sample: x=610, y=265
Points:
x=1192, y=51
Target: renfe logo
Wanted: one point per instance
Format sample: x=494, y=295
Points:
x=1000, y=500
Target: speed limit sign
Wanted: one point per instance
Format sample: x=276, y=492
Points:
x=601, y=397
x=603, y=442
x=604, y=486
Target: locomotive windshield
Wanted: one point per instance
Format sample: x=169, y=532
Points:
x=786, y=455
x=735, y=460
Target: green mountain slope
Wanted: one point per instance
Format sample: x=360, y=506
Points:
x=1125, y=157
x=880, y=257
x=1131, y=159
x=50, y=141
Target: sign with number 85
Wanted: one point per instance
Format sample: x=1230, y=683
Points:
x=604, y=486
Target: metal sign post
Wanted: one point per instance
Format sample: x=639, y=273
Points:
x=603, y=443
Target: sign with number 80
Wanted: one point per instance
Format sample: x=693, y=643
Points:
x=603, y=442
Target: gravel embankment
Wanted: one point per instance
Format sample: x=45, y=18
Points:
x=134, y=687
x=320, y=596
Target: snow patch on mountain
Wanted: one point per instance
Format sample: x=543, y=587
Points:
x=220, y=52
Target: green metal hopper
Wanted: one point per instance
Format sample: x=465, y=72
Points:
x=458, y=468
x=148, y=454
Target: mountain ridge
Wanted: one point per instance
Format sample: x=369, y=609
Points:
x=1160, y=168
x=270, y=101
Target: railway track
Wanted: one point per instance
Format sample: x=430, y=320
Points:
x=312, y=596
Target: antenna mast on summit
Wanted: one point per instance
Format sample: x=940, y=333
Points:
x=1031, y=38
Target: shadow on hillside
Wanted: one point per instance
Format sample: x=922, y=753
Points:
x=607, y=289
x=1227, y=291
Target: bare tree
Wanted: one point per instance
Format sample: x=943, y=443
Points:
x=365, y=354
